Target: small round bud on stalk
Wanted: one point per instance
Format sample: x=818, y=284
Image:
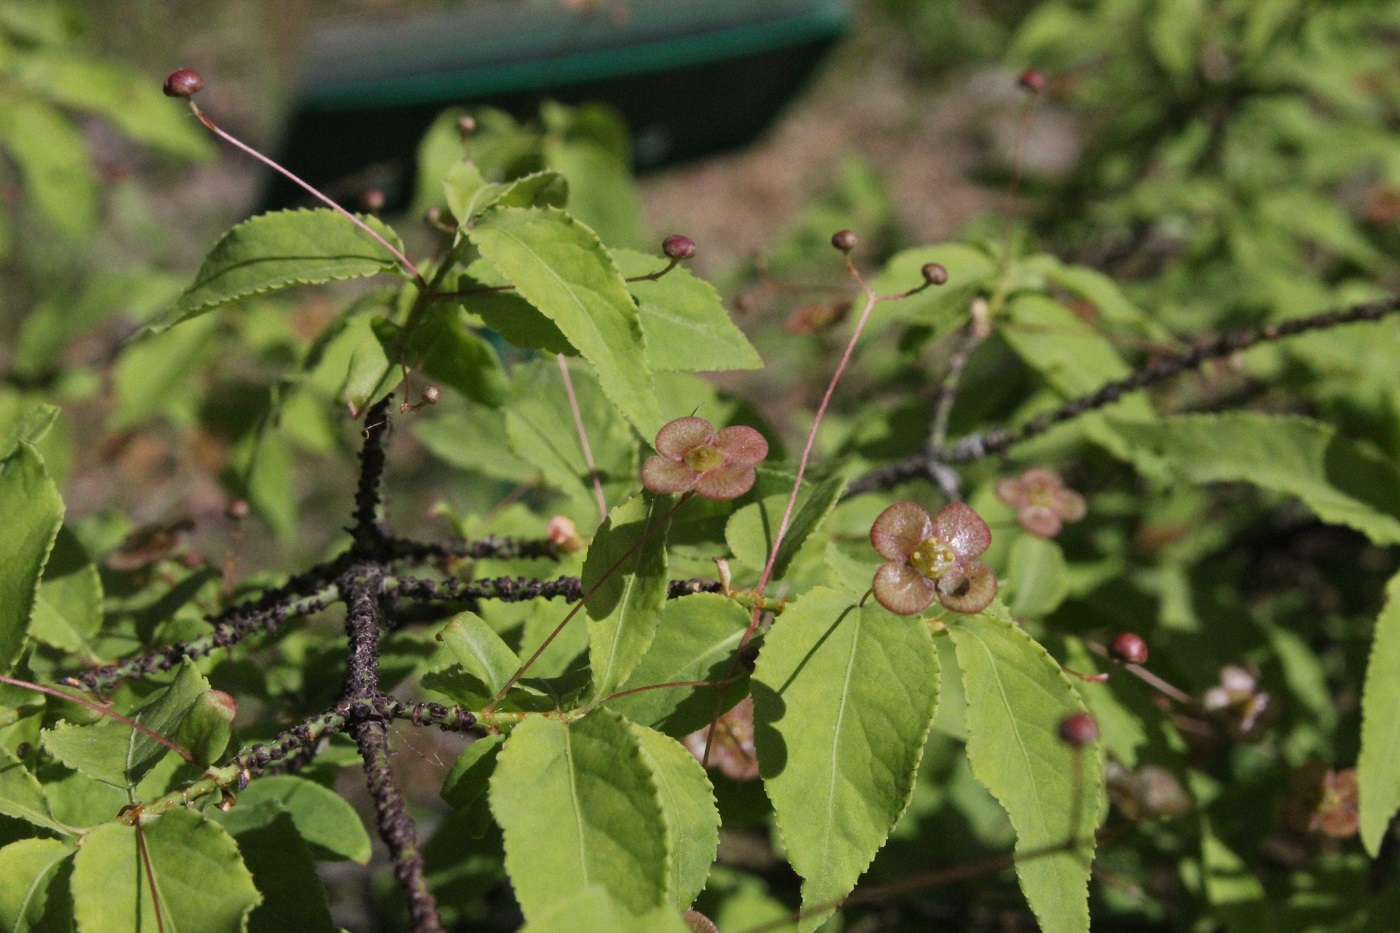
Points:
x=844, y=240
x=466, y=125
x=183, y=82
x=935, y=273
x=1129, y=648
x=1078, y=730
x=1033, y=80
x=678, y=247
x=237, y=510
x=431, y=395
x=372, y=200
x=432, y=216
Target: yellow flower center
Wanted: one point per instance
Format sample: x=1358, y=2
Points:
x=704, y=458
x=933, y=558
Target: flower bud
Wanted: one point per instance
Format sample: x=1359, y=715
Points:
x=183, y=82
x=1078, y=730
x=935, y=273
x=207, y=727
x=1033, y=80
x=678, y=247
x=1129, y=648
x=844, y=240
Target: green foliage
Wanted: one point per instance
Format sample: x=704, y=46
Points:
x=1242, y=518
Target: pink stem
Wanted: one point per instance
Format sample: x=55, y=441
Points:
x=583, y=439
x=100, y=708
x=403, y=260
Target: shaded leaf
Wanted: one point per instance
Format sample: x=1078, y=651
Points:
x=591, y=910
x=1342, y=482
x=1016, y=696
x=479, y=650
x=751, y=530
x=285, y=875
x=470, y=774
x=843, y=700
x=22, y=796
x=695, y=641
x=1378, y=766
x=33, y=513
x=29, y=901
x=560, y=267
x=324, y=819
x=686, y=326
x=625, y=580
x=53, y=158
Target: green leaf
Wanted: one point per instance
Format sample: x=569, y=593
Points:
x=751, y=530
x=591, y=910
x=470, y=774
x=468, y=194
x=1342, y=482
x=278, y=250
x=686, y=326
x=625, y=580
x=33, y=513
x=540, y=427
x=68, y=608
x=152, y=374
x=479, y=650
x=195, y=869
x=369, y=373
x=1016, y=696
x=53, y=158
x=22, y=796
x=324, y=819
x=970, y=270
x=449, y=353
x=285, y=874
x=695, y=641
x=688, y=806
x=560, y=267
x=474, y=440
x=29, y=902
x=113, y=751
x=508, y=314
x=578, y=806
x=1378, y=767
x=23, y=421
x=1236, y=897
x=1037, y=574
x=843, y=700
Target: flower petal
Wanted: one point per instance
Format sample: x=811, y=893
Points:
x=976, y=592
x=677, y=438
x=962, y=529
x=902, y=590
x=726, y=482
x=742, y=445
x=899, y=529
x=661, y=475
x=1039, y=521
x=1070, y=505
x=1011, y=491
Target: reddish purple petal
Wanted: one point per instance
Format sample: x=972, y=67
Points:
x=978, y=587
x=1070, y=505
x=743, y=446
x=726, y=482
x=962, y=529
x=902, y=590
x=678, y=437
x=1039, y=521
x=661, y=475
x=899, y=529
x=1011, y=491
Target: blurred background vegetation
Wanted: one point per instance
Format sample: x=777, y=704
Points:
x=1224, y=162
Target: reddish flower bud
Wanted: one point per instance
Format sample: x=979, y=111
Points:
x=1078, y=730
x=237, y=510
x=844, y=240
x=678, y=247
x=1033, y=80
x=1129, y=648
x=183, y=82
x=935, y=273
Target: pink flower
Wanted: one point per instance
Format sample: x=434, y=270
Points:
x=692, y=455
x=1041, y=501
x=932, y=556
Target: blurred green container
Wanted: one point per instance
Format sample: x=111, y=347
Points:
x=691, y=78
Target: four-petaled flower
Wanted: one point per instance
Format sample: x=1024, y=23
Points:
x=692, y=455
x=932, y=556
x=1041, y=501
